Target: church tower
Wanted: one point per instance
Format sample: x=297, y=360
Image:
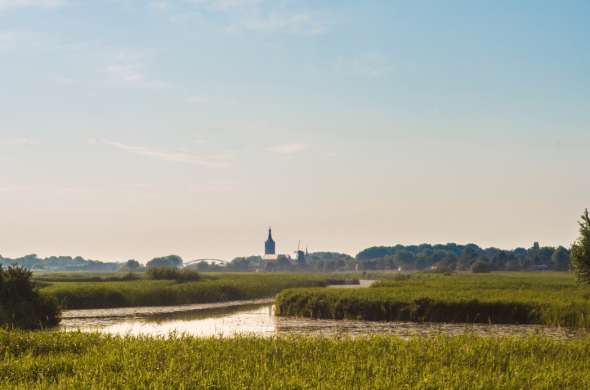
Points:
x=269, y=245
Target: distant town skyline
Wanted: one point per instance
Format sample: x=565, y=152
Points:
x=136, y=129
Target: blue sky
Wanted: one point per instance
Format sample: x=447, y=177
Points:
x=131, y=129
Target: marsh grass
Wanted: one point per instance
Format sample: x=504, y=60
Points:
x=85, y=361
x=503, y=298
x=210, y=288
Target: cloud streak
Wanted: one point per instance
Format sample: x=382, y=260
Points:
x=287, y=149
x=21, y=141
x=128, y=67
x=178, y=157
x=11, y=4
x=264, y=16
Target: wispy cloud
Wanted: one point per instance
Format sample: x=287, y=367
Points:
x=19, y=141
x=226, y=5
x=128, y=66
x=179, y=157
x=20, y=39
x=8, y=39
x=197, y=100
x=371, y=65
x=13, y=189
x=62, y=80
x=7, y=4
x=287, y=149
x=296, y=24
x=265, y=16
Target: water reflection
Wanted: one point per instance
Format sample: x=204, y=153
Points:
x=256, y=318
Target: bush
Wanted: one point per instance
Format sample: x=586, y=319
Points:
x=21, y=305
x=169, y=273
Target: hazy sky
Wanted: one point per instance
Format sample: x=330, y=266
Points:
x=132, y=129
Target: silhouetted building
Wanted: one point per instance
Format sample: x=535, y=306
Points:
x=301, y=258
x=269, y=245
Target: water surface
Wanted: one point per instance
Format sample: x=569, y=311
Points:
x=258, y=318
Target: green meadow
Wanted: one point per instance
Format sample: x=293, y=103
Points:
x=517, y=298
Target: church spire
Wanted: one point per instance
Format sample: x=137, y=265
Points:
x=269, y=245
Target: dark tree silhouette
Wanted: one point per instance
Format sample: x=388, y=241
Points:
x=21, y=305
x=580, y=253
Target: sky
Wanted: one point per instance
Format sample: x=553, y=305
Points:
x=135, y=129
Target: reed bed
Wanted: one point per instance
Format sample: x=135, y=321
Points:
x=211, y=288
x=505, y=298
x=48, y=360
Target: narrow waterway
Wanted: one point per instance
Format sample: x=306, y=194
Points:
x=258, y=318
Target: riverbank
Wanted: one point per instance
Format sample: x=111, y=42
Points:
x=552, y=299
x=77, y=294
x=75, y=360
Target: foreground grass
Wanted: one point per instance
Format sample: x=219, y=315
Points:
x=144, y=292
x=87, y=361
x=520, y=298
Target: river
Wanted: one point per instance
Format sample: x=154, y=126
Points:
x=258, y=318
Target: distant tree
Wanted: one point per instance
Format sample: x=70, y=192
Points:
x=171, y=261
x=467, y=257
x=131, y=266
x=405, y=259
x=239, y=264
x=480, y=266
x=580, y=253
x=560, y=260
x=283, y=262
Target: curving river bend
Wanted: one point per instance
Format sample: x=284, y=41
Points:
x=257, y=317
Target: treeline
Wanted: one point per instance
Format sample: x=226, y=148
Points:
x=440, y=257
x=59, y=263
x=464, y=257
x=314, y=262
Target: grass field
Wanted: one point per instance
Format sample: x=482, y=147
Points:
x=76, y=292
x=84, y=361
x=521, y=298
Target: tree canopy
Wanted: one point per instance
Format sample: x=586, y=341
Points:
x=172, y=261
x=21, y=305
x=580, y=252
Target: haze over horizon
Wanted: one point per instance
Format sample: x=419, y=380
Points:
x=136, y=129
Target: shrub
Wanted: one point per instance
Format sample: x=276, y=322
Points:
x=21, y=305
x=169, y=273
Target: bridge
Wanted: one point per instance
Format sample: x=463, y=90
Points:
x=211, y=261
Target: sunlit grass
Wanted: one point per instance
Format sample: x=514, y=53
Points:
x=84, y=361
